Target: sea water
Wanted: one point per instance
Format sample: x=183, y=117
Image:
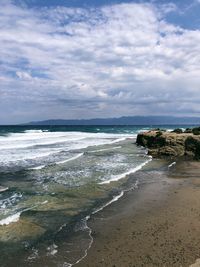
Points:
x=55, y=178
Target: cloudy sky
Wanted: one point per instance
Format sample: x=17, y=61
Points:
x=73, y=59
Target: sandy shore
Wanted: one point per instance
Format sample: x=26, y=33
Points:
x=156, y=225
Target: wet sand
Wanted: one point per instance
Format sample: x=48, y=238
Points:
x=156, y=225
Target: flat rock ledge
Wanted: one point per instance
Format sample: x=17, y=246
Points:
x=163, y=144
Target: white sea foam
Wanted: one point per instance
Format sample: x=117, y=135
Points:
x=70, y=159
x=44, y=202
x=172, y=164
x=123, y=175
x=10, y=219
x=17, y=157
x=33, y=131
x=22, y=140
x=115, y=198
x=15, y=217
x=104, y=149
x=57, y=141
x=57, y=163
x=3, y=189
x=37, y=167
x=34, y=255
x=40, y=141
x=30, y=139
x=52, y=250
x=4, y=203
x=121, y=139
x=44, y=135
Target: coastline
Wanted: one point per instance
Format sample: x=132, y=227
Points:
x=156, y=225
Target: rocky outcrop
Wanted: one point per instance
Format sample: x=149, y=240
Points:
x=170, y=144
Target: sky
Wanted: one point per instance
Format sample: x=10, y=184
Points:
x=80, y=59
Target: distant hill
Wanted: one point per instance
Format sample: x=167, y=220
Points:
x=135, y=120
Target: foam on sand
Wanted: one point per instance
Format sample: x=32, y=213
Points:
x=115, y=198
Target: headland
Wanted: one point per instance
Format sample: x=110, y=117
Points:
x=175, y=144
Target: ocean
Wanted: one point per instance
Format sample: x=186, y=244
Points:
x=53, y=179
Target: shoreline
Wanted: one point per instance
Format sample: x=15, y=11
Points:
x=156, y=225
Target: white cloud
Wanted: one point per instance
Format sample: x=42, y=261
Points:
x=115, y=60
x=23, y=75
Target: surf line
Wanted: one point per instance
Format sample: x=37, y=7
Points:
x=114, y=199
x=87, y=218
x=118, y=177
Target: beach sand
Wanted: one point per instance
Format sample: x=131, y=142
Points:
x=157, y=224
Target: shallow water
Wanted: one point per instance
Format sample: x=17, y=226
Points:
x=56, y=178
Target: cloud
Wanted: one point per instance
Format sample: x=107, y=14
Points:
x=23, y=75
x=122, y=59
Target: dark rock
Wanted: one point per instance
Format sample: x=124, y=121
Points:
x=188, y=130
x=178, y=131
x=196, y=131
x=192, y=147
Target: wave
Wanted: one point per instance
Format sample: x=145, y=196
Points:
x=30, y=156
x=35, y=131
x=50, y=137
x=71, y=141
x=123, y=175
x=38, y=142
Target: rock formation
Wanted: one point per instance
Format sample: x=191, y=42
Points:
x=171, y=144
